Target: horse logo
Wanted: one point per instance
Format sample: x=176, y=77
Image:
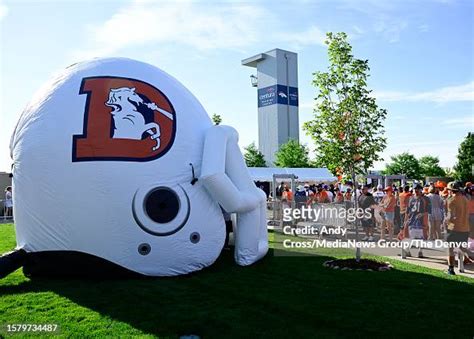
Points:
x=125, y=119
x=132, y=116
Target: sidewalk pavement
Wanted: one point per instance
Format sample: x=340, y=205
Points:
x=435, y=259
x=432, y=258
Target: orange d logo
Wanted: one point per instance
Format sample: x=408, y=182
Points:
x=124, y=120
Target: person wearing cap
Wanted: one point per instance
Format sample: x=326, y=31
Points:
x=388, y=204
x=457, y=222
x=415, y=218
x=307, y=190
x=300, y=192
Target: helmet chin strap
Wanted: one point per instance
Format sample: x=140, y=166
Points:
x=194, y=180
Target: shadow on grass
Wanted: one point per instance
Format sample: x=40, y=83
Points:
x=280, y=296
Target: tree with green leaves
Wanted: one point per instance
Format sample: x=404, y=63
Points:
x=253, y=157
x=292, y=154
x=347, y=127
x=429, y=167
x=216, y=119
x=465, y=165
x=404, y=163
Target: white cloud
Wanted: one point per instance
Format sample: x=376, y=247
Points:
x=233, y=26
x=312, y=36
x=460, y=122
x=441, y=95
x=391, y=30
x=3, y=10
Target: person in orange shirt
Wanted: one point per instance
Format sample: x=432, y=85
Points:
x=287, y=194
x=388, y=204
x=339, y=196
x=323, y=196
x=404, y=198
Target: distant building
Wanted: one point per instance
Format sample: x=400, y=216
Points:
x=277, y=99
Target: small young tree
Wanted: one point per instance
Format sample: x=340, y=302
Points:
x=429, y=167
x=347, y=127
x=292, y=154
x=465, y=165
x=404, y=163
x=216, y=119
x=253, y=157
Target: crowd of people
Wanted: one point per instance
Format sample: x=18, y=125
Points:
x=405, y=212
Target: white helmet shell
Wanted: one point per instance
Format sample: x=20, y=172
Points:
x=103, y=164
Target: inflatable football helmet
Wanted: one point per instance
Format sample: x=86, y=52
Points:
x=117, y=167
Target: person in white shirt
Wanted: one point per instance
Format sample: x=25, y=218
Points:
x=8, y=202
x=378, y=194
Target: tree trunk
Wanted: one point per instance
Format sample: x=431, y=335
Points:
x=356, y=205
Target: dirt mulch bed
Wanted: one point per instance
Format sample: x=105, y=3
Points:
x=361, y=265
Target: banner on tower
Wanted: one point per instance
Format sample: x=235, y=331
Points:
x=277, y=94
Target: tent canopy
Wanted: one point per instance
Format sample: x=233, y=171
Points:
x=303, y=174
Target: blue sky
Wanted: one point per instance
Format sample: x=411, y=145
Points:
x=420, y=54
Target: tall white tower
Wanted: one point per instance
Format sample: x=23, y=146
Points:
x=277, y=83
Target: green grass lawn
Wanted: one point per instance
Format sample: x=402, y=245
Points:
x=281, y=296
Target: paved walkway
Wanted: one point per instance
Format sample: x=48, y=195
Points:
x=435, y=259
x=432, y=258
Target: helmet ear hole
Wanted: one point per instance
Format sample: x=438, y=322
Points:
x=162, y=205
x=161, y=210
